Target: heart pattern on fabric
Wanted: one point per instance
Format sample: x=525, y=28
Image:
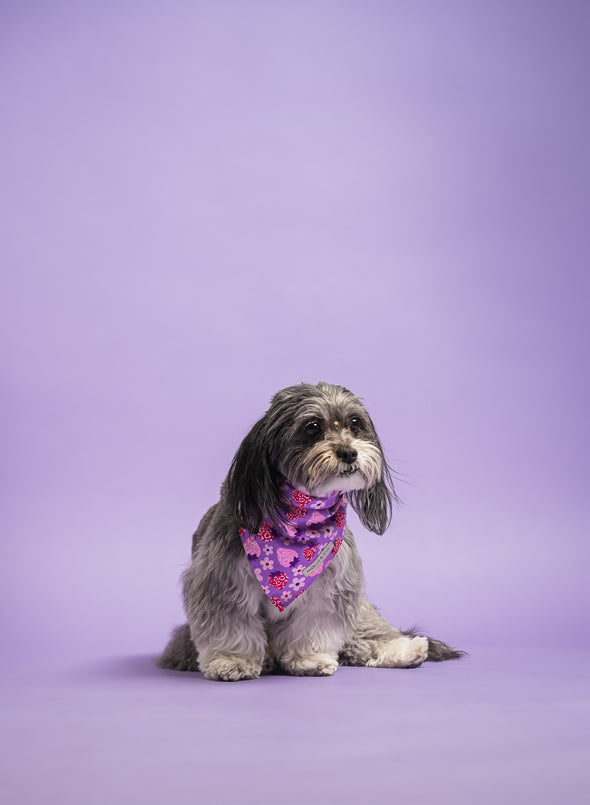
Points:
x=286, y=560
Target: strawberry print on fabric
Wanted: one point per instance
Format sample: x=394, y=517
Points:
x=340, y=519
x=251, y=546
x=278, y=581
x=300, y=498
x=310, y=552
x=265, y=532
x=296, y=513
x=306, y=538
x=287, y=556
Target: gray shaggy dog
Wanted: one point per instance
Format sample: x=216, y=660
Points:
x=319, y=440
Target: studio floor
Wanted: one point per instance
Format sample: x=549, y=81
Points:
x=500, y=726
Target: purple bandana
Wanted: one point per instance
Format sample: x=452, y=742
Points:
x=288, y=560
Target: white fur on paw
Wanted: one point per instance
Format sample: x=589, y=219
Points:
x=311, y=665
x=402, y=652
x=231, y=669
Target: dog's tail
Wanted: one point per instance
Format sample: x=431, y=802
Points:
x=437, y=650
x=180, y=654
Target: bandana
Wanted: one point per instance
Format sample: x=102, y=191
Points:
x=288, y=560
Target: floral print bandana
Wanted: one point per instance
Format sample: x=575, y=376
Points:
x=288, y=560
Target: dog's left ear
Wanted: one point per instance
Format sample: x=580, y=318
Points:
x=252, y=483
x=374, y=505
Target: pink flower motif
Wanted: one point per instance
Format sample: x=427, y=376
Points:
x=267, y=564
x=298, y=583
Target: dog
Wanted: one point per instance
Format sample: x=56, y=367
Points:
x=276, y=582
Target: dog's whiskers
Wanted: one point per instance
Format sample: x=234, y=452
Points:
x=320, y=468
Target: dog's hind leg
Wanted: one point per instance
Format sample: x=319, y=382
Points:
x=180, y=654
x=375, y=642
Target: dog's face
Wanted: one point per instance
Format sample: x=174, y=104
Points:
x=320, y=439
x=329, y=443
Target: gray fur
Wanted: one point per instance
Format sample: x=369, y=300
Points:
x=233, y=630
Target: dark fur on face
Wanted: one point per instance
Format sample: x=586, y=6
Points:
x=318, y=438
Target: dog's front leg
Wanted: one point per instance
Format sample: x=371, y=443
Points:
x=224, y=623
x=306, y=640
x=312, y=654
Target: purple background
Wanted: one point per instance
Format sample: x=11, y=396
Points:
x=205, y=202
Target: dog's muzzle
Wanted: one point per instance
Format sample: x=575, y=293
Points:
x=347, y=454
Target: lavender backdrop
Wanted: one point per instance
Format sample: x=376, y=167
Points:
x=205, y=202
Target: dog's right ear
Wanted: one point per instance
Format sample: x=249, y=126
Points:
x=253, y=485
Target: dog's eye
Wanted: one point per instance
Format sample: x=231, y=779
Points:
x=313, y=428
x=356, y=423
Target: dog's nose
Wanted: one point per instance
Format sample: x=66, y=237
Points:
x=347, y=454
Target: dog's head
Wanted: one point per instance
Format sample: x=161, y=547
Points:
x=320, y=439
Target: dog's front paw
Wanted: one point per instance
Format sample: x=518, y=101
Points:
x=319, y=664
x=401, y=652
x=232, y=668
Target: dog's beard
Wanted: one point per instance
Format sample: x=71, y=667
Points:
x=320, y=472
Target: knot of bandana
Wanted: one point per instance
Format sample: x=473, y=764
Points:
x=287, y=560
